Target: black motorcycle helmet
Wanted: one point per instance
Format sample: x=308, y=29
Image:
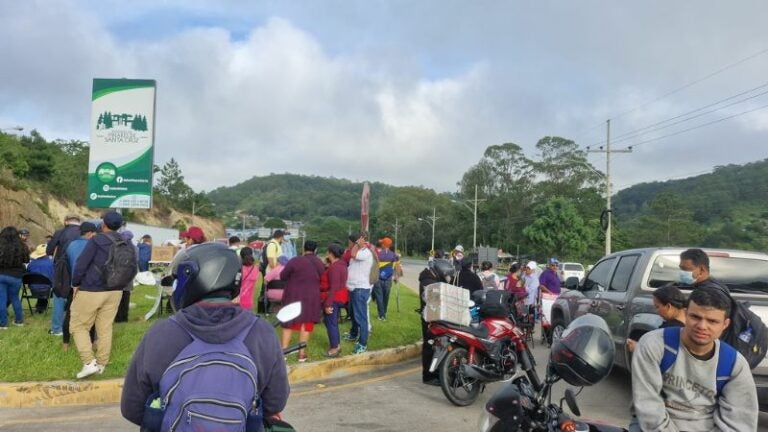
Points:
x=208, y=270
x=442, y=268
x=583, y=355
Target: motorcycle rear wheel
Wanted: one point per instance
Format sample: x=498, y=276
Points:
x=460, y=389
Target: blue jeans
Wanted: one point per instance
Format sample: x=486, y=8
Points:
x=57, y=318
x=381, y=291
x=359, y=300
x=332, y=325
x=9, y=290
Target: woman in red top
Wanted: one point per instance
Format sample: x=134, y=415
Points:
x=514, y=286
x=335, y=297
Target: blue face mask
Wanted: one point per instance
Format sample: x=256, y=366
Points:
x=686, y=277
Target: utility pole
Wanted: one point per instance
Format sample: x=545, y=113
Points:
x=432, y=218
x=396, y=228
x=607, y=150
x=474, y=234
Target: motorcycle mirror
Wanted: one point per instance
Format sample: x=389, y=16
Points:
x=289, y=312
x=167, y=281
x=570, y=400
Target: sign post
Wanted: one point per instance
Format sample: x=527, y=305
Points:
x=122, y=143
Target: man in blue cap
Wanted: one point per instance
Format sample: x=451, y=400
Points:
x=93, y=303
x=549, y=282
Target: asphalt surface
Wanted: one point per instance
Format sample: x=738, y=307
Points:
x=389, y=399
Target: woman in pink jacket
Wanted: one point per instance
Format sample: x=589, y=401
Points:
x=249, y=276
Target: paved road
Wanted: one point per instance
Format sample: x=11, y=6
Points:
x=391, y=399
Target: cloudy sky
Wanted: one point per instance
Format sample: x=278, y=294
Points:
x=404, y=92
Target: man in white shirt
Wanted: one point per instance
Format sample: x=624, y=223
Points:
x=531, y=282
x=359, y=286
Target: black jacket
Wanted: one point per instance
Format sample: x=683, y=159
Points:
x=469, y=280
x=61, y=239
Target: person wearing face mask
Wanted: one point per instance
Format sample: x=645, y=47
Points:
x=694, y=270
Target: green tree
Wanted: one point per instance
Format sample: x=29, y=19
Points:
x=558, y=230
x=274, y=223
x=171, y=185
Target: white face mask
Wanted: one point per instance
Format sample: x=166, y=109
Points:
x=686, y=277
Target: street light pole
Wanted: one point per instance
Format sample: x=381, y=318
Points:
x=433, y=218
x=474, y=215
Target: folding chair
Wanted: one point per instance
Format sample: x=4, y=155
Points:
x=42, y=288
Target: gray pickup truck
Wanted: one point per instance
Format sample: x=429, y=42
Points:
x=619, y=287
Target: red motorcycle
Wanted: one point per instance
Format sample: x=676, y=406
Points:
x=468, y=357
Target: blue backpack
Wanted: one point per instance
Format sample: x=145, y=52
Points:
x=726, y=359
x=209, y=387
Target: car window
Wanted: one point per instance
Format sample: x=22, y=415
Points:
x=623, y=273
x=740, y=274
x=574, y=267
x=598, y=277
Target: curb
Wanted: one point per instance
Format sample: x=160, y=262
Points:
x=64, y=393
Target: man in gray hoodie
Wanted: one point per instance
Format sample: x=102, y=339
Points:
x=686, y=396
x=209, y=314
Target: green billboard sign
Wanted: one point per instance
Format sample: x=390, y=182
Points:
x=122, y=143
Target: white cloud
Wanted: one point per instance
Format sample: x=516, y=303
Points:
x=405, y=96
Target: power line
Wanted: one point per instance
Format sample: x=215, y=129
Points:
x=692, y=83
x=652, y=127
x=698, y=126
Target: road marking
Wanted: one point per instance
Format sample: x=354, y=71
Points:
x=357, y=383
x=60, y=419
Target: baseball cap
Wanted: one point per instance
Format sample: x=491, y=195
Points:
x=195, y=233
x=24, y=231
x=459, y=248
x=113, y=220
x=532, y=265
x=87, y=227
x=553, y=261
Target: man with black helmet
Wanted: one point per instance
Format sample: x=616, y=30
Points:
x=439, y=270
x=687, y=379
x=208, y=276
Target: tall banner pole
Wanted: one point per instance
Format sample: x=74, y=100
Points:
x=364, y=205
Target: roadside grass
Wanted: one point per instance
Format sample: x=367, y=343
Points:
x=29, y=353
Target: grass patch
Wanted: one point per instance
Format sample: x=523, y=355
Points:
x=29, y=353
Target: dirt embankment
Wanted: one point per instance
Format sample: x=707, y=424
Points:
x=43, y=214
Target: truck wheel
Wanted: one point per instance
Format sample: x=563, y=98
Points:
x=558, y=327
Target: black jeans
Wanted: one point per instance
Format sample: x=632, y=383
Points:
x=122, y=309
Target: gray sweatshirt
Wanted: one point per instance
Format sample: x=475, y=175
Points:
x=685, y=398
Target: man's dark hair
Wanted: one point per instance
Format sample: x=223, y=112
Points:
x=486, y=265
x=354, y=237
x=711, y=297
x=670, y=294
x=514, y=268
x=336, y=250
x=233, y=240
x=697, y=256
x=278, y=234
x=310, y=246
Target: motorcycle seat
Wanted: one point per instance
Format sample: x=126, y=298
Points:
x=481, y=331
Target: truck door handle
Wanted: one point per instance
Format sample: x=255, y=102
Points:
x=593, y=304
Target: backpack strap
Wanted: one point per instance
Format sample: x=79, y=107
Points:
x=726, y=361
x=671, y=348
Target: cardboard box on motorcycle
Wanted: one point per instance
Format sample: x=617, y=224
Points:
x=445, y=302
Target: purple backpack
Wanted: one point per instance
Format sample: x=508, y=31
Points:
x=212, y=387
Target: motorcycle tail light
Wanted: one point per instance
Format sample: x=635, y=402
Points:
x=568, y=426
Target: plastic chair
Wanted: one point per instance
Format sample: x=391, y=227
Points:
x=42, y=290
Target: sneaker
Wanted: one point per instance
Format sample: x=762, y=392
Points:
x=21, y=324
x=349, y=338
x=382, y=318
x=89, y=369
x=53, y=333
x=359, y=349
x=4, y=328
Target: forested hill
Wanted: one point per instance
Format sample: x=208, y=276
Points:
x=297, y=197
x=726, y=207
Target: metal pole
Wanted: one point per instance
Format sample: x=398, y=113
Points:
x=396, y=226
x=608, y=186
x=193, y=212
x=434, y=217
x=474, y=234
